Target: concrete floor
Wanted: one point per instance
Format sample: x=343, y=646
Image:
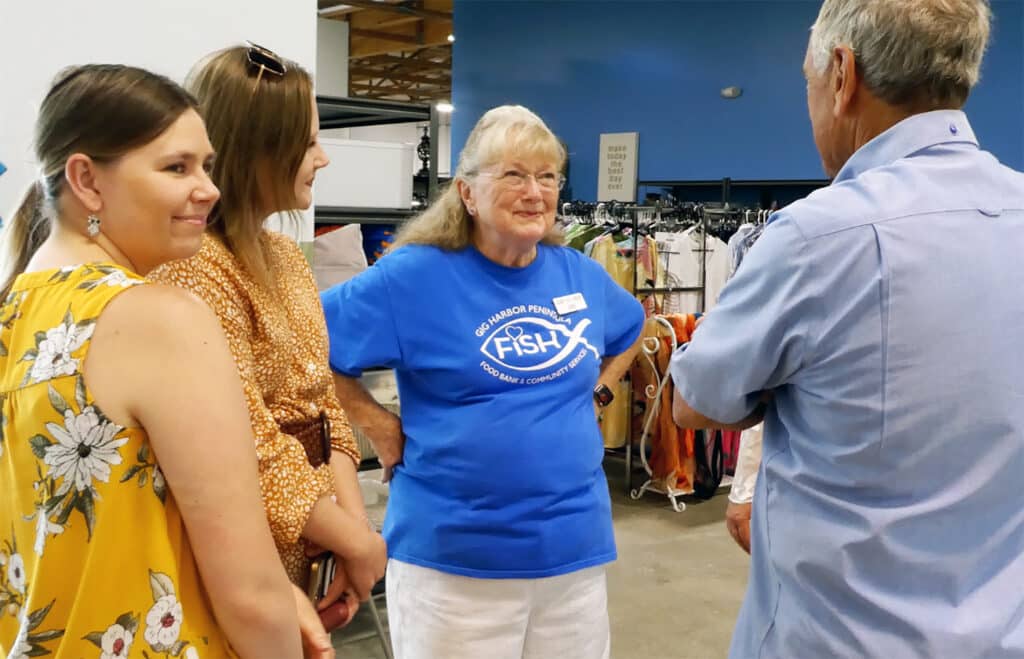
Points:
x=674, y=593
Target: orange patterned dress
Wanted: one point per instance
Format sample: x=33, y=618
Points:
x=279, y=342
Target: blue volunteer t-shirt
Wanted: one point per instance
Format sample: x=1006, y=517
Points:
x=501, y=475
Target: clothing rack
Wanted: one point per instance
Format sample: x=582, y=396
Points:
x=718, y=219
x=649, y=348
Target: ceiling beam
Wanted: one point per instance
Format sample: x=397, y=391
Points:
x=404, y=62
x=397, y=76
x=430, y=14
x=384, y=36
x=403, y=38
x=381, y=22
x=379, y=71
x=393, y=84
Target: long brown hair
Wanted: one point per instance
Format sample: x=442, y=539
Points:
x=259, y=124
x=101, y=110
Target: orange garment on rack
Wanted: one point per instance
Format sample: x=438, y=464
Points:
x=673, y=460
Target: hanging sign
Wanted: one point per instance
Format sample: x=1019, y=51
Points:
x=617, y=167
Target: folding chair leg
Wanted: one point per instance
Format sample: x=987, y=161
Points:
x=385, y=641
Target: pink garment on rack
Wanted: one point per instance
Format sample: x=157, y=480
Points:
x=730, y=450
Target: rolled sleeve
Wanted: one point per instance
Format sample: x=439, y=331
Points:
x=624, y=318
x=360, y=323
x=760, y=333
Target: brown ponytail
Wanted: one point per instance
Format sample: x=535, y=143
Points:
x=21, y=236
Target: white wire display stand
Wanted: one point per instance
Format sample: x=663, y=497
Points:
x=650, y=347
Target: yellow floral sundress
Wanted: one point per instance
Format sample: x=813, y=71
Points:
x=94, y=559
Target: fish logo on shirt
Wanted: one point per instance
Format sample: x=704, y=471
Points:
x=531, y=344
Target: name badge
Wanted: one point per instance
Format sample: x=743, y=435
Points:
x=569, y=303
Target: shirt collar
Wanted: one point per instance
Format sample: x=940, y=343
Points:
x=911, y=135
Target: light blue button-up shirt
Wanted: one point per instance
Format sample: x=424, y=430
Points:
x=886, y=312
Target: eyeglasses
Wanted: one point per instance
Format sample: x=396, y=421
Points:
x=266, y=59
x=516, y=180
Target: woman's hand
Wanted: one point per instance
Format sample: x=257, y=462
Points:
x=365, y=566
x=316, y=642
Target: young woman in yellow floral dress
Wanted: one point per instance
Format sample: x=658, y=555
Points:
x=120, y=407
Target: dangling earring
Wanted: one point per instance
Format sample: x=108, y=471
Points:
x=93, y=228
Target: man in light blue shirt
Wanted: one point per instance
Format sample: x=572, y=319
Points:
x=878, y=327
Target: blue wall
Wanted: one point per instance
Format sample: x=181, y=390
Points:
x=657, y=67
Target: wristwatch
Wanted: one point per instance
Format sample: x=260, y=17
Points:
x=603, y=396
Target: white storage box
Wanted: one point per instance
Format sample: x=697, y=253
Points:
x=365, y=174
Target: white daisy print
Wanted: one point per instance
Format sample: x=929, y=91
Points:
x=116, y=642
x=85, y=448
x=117, y=278
x=53, y=357
x=112, y=277
x=163, y=623
x=191, y=653
x=16, y=573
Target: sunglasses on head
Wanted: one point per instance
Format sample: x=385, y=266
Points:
x=266, y=59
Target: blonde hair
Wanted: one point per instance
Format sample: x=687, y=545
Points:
x=911, y=52
x=504, y=130
x=259, y=125
x=101, y=110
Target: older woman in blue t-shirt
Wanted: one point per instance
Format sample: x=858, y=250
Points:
x=499, y=521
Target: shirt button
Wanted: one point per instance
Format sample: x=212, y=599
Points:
x=311, y=367
x=953, y=129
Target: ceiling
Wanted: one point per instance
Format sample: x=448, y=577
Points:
x=398, y=49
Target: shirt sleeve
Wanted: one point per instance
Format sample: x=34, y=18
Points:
x=624, y=317
x=748, y=463
x=360, y=323
x=290, y=485
x=760, y=333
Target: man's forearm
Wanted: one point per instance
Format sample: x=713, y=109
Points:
x=687, y=417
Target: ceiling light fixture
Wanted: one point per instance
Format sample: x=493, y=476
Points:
x=444, y=107
x=451, y=38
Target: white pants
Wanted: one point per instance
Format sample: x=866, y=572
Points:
x=434, y=615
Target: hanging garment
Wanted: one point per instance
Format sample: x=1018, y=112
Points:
x=680, y=268
x=649, y=274
x=672, y=459
x=730, y=449
x=618, y=262
x=741, y=242
x=681, y=258
x=717, y=268
x=578, y=235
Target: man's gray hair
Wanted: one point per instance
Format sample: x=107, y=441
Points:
x=909, y=51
